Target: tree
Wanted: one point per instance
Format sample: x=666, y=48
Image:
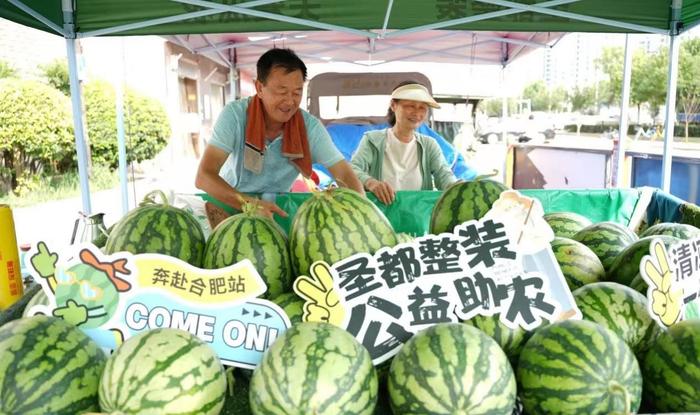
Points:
x=689, y=80
x=611, y=63
x=545, y=99
x=6, y=70
x=582, y=99
x=649, y=79
x=56, y=73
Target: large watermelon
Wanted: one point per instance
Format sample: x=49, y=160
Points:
x=293, y=306
x=314, y=368
x=626, y=265
x=248, y=235
x=464, y=201
x=335, y=224
x=679, y=230
x=578, y=263
x=48, y=366
x=163, y=371
x=158, y=228
x=566, y=224
x=39, y=298
x=622, y=310
x=510, y=340
x=451, y=368
x=672, y=369
x=578, y=367
x=606, y=240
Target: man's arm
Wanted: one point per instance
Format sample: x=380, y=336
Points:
x=343, y=174
x=208, y=179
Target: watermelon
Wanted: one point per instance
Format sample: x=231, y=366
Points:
x=620, y=309
x=510, y=340
x=566, y=224
x=335, y=224
x=679, y=230
x=314, y=368
x=158, y=228
x=403, y=238
x=163, y=371
x=638, y=284
x=248, y=235
x=606, y=240
x=237, y=401
x=464, y=201
x=18, y=309
x=578, y=263
x=626, y=265
x=672, y=369
x=578, y=367
x=48, y=366
x=451, y=368
x=293, y=306
x=39, y=298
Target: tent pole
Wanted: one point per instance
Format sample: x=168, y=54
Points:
x=670, y=110
x=624, y=109
x=121, y=141
x=76, y=101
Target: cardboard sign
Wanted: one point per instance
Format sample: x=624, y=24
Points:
x=502, y=264
x=673, y=279
x=112, y=298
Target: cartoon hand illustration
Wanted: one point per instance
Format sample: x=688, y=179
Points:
x=322, y=302
x=44, y=262
x=72, y=312
x=666, y=304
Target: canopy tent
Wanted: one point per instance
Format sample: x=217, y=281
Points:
x=380, y=26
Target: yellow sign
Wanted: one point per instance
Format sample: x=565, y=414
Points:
x=216, y=286
x=666, y=300
x=322, y=303
x=10, y=272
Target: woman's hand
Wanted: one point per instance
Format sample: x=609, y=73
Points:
x=384, y=192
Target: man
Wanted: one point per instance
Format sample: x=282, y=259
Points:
x=260, y=144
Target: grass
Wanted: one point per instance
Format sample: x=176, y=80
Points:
x=46, y=189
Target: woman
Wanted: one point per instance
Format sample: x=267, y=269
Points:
x=399, y=158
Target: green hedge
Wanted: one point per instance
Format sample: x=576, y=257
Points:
x=146, y=125
x=36, y=132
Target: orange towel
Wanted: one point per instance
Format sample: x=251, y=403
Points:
x=295, y=143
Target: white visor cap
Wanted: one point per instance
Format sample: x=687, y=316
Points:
x=414, y=92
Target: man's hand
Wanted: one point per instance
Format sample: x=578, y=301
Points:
x=322, y=302
x=72, y=313
x=265, y=208
x=383, y=190
x=44, y=262
x=666, y=303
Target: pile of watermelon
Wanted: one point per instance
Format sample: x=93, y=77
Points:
x=615, y=360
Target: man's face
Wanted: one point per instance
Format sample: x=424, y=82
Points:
x=281, y=94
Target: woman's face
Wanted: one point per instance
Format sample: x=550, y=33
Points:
x=409, y=113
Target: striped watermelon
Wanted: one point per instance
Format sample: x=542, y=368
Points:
x=335, y=224
x=626, y=265
x=578, y=367
x=158, y=228
x=510, y=340
x=679, y=230
x=314, y=368
x=293, y=306
x=403, y=238
x=250, y=236
x=451, y=368
x=39, y=298
x=638, y=284
x=672, y=369
x=622, y=310
x=606, y=240
x=578, y=263
x=48, y=366
x=163, y=371
x=566, y=224
x=463, y=201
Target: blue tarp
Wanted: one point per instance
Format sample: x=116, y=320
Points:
x=347, y=138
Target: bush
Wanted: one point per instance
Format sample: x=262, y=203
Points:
x=56, y=74
x=36, y=132
x=679, y=130
x=146, y=125
x=6, y=70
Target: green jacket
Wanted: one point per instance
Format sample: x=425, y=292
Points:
x=368, y=160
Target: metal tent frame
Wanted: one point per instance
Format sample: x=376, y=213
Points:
x=375, y=40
